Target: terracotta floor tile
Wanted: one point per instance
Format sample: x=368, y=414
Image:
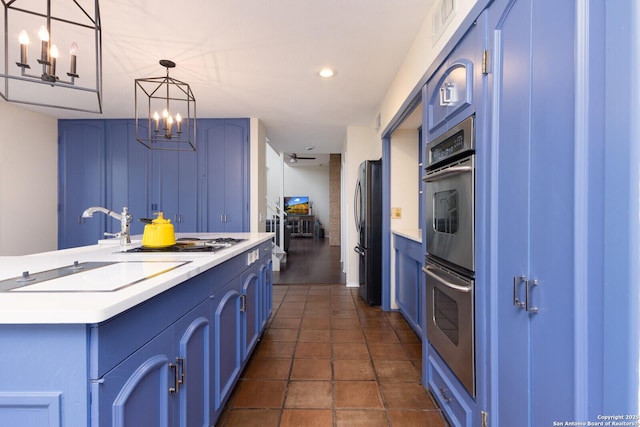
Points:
x=362, y=418
x=316, y=323
x=414, y=351
x=344, y=313
x=348, y=335
x=311, y=369
x=252, y=418
x=348, y=323
x=350, y=350
x=381, y=337
x=307, y=418
x=408, y=337
x=272, y=349
x=290, y=297
x=388, y=351
x=259, y=394
x=344, y=370
x=274, y=334
x=309, y=394
x=403, y=395
x=357, y=394
x=287, y=323
x=267, y=368
x=396, y=370
x=315, y=335
x=417, y=418
x=317, y=313
x=313, y=350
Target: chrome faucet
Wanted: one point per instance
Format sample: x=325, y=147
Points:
x=124, y=218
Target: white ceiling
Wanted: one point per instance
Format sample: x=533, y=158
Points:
x=259, y=58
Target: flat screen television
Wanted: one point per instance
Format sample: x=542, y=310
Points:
x=296, y=205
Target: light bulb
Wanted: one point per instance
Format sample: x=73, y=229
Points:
x=54, y=51
x=74, y=49
x=165, y=113
x=43, y=34
x=23, y=37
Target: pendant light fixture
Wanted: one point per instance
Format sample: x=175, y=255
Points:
x=165, y=112
x=60, y=74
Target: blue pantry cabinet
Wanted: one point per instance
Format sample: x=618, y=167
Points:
x=409, y=280
x=223, y=168
x=82, y=183
x=532, y=226
x=101, y=164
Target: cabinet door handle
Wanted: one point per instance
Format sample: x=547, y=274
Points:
x=516, y=281
x=529, y=284
x=443, y=393
x=447, y=94
x=183, y=369
x=176, y=380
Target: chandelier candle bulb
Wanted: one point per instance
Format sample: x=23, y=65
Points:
x=73, y=54
x=54, y=56
x=44, y=40
x=24, y=43
x=179, y=123
x=156, y=117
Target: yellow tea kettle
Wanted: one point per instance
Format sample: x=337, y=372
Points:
x=158, y=233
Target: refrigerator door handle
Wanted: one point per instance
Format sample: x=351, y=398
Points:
x=356, y=205
x=359, y=250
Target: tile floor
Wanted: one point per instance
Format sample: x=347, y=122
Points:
x=328, y=359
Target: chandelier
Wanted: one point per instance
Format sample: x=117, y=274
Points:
x=165, y=112
x=66, y=71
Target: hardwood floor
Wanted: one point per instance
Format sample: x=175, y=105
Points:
x=311, y=262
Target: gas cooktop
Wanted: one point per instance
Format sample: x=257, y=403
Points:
x=189, y=244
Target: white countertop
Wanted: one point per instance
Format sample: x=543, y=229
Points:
x=409, y=233
x=97, y=295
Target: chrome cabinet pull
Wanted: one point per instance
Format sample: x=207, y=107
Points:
x=447, y=94
x=443, y=393
x=183, y=369
x=516, y=281
x=176, y=380
x=528, y=307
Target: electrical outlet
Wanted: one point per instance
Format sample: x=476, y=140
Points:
x=396, y=213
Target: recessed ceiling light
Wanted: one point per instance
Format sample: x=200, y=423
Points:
x=326, y=73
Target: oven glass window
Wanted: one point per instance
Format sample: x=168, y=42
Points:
x=446, y=315
x=445, y=211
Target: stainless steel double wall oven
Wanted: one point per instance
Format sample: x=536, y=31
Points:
x=449, y=264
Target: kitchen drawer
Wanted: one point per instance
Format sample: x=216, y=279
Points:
x=449, y=393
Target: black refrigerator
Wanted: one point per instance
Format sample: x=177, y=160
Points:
x=368, y=217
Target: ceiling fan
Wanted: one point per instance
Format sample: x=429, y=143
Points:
x=293, y=158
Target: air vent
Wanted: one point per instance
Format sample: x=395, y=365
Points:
x=443, y=13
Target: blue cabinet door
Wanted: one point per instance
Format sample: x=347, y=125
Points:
x=533, y=135
x=251, y=310
x=227, y=331
x=455, y=89
x=223, y=168
x=137, y=391
x=194, y=360
x=127, y=169
x=82, y=183
x=173, y=184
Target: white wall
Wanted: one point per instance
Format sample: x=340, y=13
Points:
x=28, y=181
x=258, y=176
x=405, y=179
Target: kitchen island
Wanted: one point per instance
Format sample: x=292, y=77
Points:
x=95, y=336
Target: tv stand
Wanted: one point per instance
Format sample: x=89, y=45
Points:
x=301, y=225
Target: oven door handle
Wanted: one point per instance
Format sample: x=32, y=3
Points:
x=448, y=284
x=454, y=170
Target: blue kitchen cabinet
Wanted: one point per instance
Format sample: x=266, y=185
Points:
x=252, y=294
x=266, y=278
x=531, y=230
x=456, y=86
x=409, y=280
x=227, y=342
x=223, y=168
x=127, y=170
x=173, y=186
x=81, y=158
